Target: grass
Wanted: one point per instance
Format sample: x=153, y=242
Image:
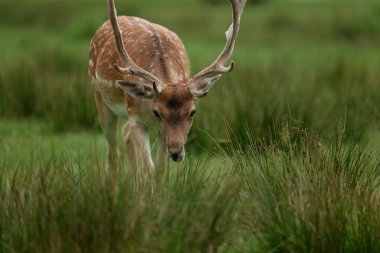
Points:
x=322, y=201
x=295, y=169
x=256, y=199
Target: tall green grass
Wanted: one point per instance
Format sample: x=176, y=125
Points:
x=305, y=196
x=60, y=206
x=289, y=69
x=310, y=197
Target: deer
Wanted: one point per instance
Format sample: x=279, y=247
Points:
x=140, y=72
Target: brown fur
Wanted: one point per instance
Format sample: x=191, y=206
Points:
x=152, y=75
x=151, y=46
x=159, y=51
x=175, y=104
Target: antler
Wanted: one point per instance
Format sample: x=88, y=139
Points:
x=217, y=67
x=131, y=67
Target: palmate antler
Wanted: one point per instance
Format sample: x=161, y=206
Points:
x=130, y=66
x=217, y=67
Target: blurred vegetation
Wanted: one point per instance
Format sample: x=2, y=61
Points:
x=248, y=2
x=312, y=64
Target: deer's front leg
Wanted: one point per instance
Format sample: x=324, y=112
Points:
x=160, y=156
x=137, y=143
x=108, y=122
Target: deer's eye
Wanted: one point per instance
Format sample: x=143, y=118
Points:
x=192, y=114
x=157, y=114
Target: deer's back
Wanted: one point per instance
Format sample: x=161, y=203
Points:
x=151, y=46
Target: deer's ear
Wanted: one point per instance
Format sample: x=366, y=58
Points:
x=136, y=90
x=201, y=88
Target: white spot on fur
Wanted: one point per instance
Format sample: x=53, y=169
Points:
x=103, y=81
x=154, y=43
x=149, y=32
x=173, y=74
x=133, y=121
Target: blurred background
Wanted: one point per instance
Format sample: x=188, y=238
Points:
x=300, y=64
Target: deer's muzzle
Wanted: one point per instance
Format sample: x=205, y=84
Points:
x=176, y=152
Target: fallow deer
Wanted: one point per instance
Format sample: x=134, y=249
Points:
x=140, y=71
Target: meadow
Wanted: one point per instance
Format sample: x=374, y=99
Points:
x=283, y=155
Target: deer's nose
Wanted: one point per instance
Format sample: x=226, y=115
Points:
x=175, y=148
x=176, y=151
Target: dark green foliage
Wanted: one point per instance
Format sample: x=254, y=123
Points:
x=52, y=85
x=320, y=97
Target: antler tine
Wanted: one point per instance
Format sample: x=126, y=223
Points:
x=131, y=66
x=217, y=67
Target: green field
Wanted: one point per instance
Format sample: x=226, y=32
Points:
x=283, y=155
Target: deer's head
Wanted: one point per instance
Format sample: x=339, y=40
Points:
x=174, y=104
